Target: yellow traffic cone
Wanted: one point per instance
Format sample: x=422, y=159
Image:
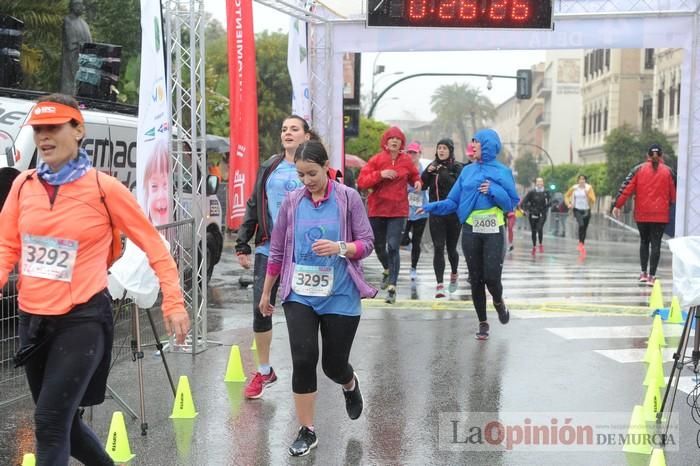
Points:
x=637, y=440
x=657, y=331
x=118, y=442
x=29, y=459
x=254, y=345
x=674, y=314
x=183, y=407
x=652, y=403
x=657, y=458
x=656, y=299
x=652, y=345
x=235, y=396
x=234, y=368
x=655, y=373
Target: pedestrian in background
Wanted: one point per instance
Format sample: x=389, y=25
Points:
x=482, y=196
x=535, y=205
x=386, y=175
x=438, y=179
x=321, y=234
x=581, y=198
x=276, y=177
x=415, y=226
x=58, y=222
x=653, y=185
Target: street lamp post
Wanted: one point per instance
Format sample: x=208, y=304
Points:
x=536, y=147
x=489, y=77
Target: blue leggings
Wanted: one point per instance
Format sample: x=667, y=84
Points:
x=59, y=374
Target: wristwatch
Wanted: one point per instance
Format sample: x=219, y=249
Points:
x=342, y=248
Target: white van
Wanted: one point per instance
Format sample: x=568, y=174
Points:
x=110, y=141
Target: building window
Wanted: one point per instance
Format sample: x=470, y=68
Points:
x=647, y=106
x=678, y=103
x=590, y=123
x=672, y=100
x=607, y=59
x=648, y=59
x=599, y=117
x=605, y=119
x=660, y=104
x=585, y=66
x=583, y=125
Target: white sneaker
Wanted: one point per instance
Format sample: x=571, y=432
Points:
x=413, y=274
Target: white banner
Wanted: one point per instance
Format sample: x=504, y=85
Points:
x=298, y=65
x=153, y=173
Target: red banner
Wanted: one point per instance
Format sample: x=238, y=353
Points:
x=243, y=109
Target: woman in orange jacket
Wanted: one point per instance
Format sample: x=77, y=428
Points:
x=58, y=223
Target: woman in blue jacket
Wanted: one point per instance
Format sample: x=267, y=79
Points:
x=482, y=197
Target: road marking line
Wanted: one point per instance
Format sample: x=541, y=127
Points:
x=628, y=331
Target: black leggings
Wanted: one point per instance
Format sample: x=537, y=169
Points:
x=444, y=230
x=537, y=227
x=261, y=323
x=337, y=335
x=59, y=375
x=484, y=254
x=418, y=226
x=650, y=235
x=582, y=218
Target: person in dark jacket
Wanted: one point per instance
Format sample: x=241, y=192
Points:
x=438, y=179
x=536, y=204
x=654, y=187
x=276, y=177
x=386, y=174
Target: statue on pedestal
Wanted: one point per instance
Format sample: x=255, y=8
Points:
x=75, y=34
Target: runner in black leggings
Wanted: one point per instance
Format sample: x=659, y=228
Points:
x=536, y=204
x=438, y=179
x=581, y=197
x=482, y=195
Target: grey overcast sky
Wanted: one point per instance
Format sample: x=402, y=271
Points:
x=411, y=99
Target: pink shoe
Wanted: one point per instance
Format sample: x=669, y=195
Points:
x=256, y=387
x=541, y=247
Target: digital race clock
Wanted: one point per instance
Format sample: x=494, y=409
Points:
x=514, y=14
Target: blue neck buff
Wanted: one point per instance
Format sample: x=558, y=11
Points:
x=71, y=171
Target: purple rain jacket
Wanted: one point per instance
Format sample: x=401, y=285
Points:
x=356, y=229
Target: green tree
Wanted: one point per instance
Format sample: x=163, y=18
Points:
x=366, y=144
x=563, y=177
x=526, y=169
x=623, y=151
x=460, y=108
x=274, y=89
x=41, y=46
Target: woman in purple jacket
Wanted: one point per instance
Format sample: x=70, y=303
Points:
x=321, y=234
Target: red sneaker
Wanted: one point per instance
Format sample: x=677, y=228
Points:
x=643, y=277
x=256, y=387
x=541, y=247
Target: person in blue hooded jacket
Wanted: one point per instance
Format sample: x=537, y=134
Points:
x=482, y=196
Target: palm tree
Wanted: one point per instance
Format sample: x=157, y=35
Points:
x=458, y=106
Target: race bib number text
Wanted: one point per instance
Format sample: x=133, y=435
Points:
x=487, y=223
x=50, y=258
x=312, y=280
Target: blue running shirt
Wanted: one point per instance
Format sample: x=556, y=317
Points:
x=322, y=222
x=282, y=180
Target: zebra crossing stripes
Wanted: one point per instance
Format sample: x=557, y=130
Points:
x=635, y=354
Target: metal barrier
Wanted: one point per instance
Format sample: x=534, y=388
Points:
x=13, y=385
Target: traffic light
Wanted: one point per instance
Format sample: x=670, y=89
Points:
x=553, y=187
x=523, y=88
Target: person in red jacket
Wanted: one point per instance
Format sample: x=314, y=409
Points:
x=654, y=187
x=386, y=175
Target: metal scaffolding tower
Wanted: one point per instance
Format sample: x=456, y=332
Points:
x=184, y=35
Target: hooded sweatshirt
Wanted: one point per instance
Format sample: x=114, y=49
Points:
x=465, y=197
x=440, y=181
x=387, y=198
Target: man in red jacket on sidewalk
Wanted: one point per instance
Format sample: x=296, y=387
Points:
x=387, y=175
x=654, y=187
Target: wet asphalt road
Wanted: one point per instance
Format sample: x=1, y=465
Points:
x=417, y=361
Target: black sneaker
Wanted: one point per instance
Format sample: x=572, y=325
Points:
x=353, y=401
x=503, y=312
x=385, y=280
x=305, y=442
x=483, y=333
x=390, y=296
